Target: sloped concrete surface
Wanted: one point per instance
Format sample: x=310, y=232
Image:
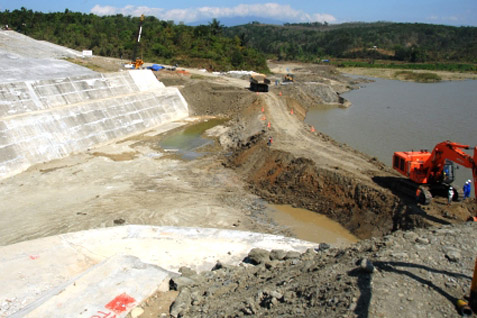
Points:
x=112, y=287
x=47, y=120
x=23, y=59
x=50, y=272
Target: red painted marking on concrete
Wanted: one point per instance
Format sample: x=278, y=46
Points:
x=102, y=314
x=120, y=303
x=34, y=257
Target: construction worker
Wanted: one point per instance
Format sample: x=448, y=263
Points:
x=466, y=189
x=270, y=140
x=450, y=195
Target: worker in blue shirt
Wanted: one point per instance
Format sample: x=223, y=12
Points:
x=466, y=189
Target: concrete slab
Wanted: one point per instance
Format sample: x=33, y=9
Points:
x=39, y=267
x=110, y=288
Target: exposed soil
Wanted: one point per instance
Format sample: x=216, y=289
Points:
x=394, y=73
x=419, y=273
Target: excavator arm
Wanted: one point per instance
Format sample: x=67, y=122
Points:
x=474, y=172
x=448, y=150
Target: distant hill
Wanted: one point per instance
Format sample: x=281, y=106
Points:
x=216, y=47
x=381, y=40
x=229, y=22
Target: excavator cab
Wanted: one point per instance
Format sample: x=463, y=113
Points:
x=448, y=174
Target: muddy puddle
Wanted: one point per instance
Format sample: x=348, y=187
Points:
x=310, y=226
x=188, y=141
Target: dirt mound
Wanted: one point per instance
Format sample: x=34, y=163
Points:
x=283, y=178
x=206, y=99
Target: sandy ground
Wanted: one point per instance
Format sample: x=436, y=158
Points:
x=391, y=74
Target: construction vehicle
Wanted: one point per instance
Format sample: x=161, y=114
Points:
x=136, y=62
x=259, y=82
x=288, y=78
x=432, y=173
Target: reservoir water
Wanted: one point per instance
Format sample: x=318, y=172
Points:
x=388, y=116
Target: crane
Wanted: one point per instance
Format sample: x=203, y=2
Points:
x=433, y=172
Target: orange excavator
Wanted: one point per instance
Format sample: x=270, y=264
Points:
x=432, y=173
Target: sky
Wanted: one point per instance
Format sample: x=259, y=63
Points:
x=456, y=12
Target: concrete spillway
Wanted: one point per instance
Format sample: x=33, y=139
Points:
x=50, y=119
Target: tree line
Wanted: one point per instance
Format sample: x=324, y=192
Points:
x=408, y=42
x=220, y=48
x=164, y=42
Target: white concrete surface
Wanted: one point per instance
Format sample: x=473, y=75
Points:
x=37, y=270
x=112, y=287
x=47, y=120
x=23, y=58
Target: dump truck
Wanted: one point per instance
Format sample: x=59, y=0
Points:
x=259, y=82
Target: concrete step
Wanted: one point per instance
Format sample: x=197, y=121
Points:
x=109, y=289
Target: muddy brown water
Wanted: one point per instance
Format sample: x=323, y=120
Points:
x=390, y=115
x=311, y=226
x=187, y=141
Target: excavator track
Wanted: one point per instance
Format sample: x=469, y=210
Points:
x=423, y=195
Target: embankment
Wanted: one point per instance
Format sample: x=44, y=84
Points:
x=50, y=119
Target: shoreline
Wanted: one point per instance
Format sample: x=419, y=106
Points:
x=391, y=73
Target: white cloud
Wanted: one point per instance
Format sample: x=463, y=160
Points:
x=438, y=19
x=267, y=10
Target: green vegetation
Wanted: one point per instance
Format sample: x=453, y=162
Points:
x=203, y=46
x=418, y=77
x=215, y=47
x=438, y=45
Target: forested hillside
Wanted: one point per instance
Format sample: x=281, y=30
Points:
x=221, y=48
x=162, y=41
x=394, y=41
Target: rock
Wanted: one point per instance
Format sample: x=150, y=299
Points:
x=217, y=266
x=258, y=256
x=177, y=283
x=136, y=312
x=366, y=266
x=453, y=256
x=399, y=255
x=322, y=247
x=187, y=272
x=292, y=255
x=119, y=221
x=422, y=240
x=412, y=236
x=278, y=255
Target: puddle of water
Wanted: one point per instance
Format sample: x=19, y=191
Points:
x=186, y=141
x=310, y=226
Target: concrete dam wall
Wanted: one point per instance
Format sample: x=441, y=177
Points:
x=50, y=119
